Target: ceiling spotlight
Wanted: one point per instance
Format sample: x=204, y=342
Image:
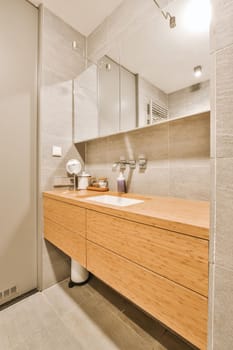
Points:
x=197, y=71
x=108, y=67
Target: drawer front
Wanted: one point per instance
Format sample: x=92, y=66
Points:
x=179, y=308
x=71, y=217
x=69, y=242
x=180, y=258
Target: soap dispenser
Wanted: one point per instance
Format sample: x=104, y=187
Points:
x=121, y=185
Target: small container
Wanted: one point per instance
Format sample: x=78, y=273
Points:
x=83, y=180
x=103, y=182
x=121, y=185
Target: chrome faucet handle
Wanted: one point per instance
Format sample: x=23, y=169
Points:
x=132, y=163
x=122, y=163
x=142, y=162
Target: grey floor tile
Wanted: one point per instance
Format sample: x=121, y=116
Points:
x=90, y=317
x=33, y=324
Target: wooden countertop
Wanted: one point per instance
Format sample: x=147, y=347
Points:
x=180, y=215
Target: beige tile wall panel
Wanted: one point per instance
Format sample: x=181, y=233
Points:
x=59, y=64
x=178, y=155
x=178, y=257
x=189, y=181
x=128, y=12
x=221, y=34
x=191, y=100
x=224, y=103
x=189, y=141
x=179, y=308
x=71, y=217
x=221, y=271
x=223, y=309
x=224, y=218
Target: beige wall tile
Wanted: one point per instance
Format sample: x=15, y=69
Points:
x=178, y=164
x=97, y=42
x=224, y=102
x=118, y=24
x=221, y=242
x=223, y=309
x=68, y=152
x=213, y=105
x=190, y=182
x=155, y=181
x=211, y=306
x=188, y=101
x=58, y=54
x=59, y=65
x=56, y=265
x=221, y=34
x=224, y=218
x=212, y=211
x=152, y=142
x=189, y=141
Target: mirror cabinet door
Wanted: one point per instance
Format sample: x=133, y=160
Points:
x=109, y=96
x=128, y=100
x=85, y=92
x=147, y=75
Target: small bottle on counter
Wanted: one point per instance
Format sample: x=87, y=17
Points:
x=121, y=185
x=103, y=182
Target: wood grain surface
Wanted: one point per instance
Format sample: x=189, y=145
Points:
x=174, y=214
x=177, y=307
x=71, y=217
x=179, y=257
x=69, y=242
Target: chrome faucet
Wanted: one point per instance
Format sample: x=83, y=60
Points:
x=123, y=163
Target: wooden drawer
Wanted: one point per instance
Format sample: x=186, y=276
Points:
x=178, y=257
x=71, y=217
x=179, y=308
x=69, y=242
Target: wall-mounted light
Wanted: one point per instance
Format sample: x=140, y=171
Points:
x=197, y=71
x=166, y=15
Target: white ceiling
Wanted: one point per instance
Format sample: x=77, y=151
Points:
x=83, y=15
x=166, y=57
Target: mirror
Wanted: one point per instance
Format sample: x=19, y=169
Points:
x=154, y=72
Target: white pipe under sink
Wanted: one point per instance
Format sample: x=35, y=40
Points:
x=79, y=275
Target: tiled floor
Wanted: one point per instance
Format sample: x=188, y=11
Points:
x=91, y=317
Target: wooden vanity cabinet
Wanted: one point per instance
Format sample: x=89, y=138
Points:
x=163, y=272
x=178, y=257
x=65, y=227
x=179, y=308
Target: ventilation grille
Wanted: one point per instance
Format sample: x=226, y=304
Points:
x=155, y=112
x=7, y=293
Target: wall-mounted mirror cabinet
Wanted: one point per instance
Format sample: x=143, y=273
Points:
x=154, y=72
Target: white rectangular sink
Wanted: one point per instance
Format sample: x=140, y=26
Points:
x=114, y=200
